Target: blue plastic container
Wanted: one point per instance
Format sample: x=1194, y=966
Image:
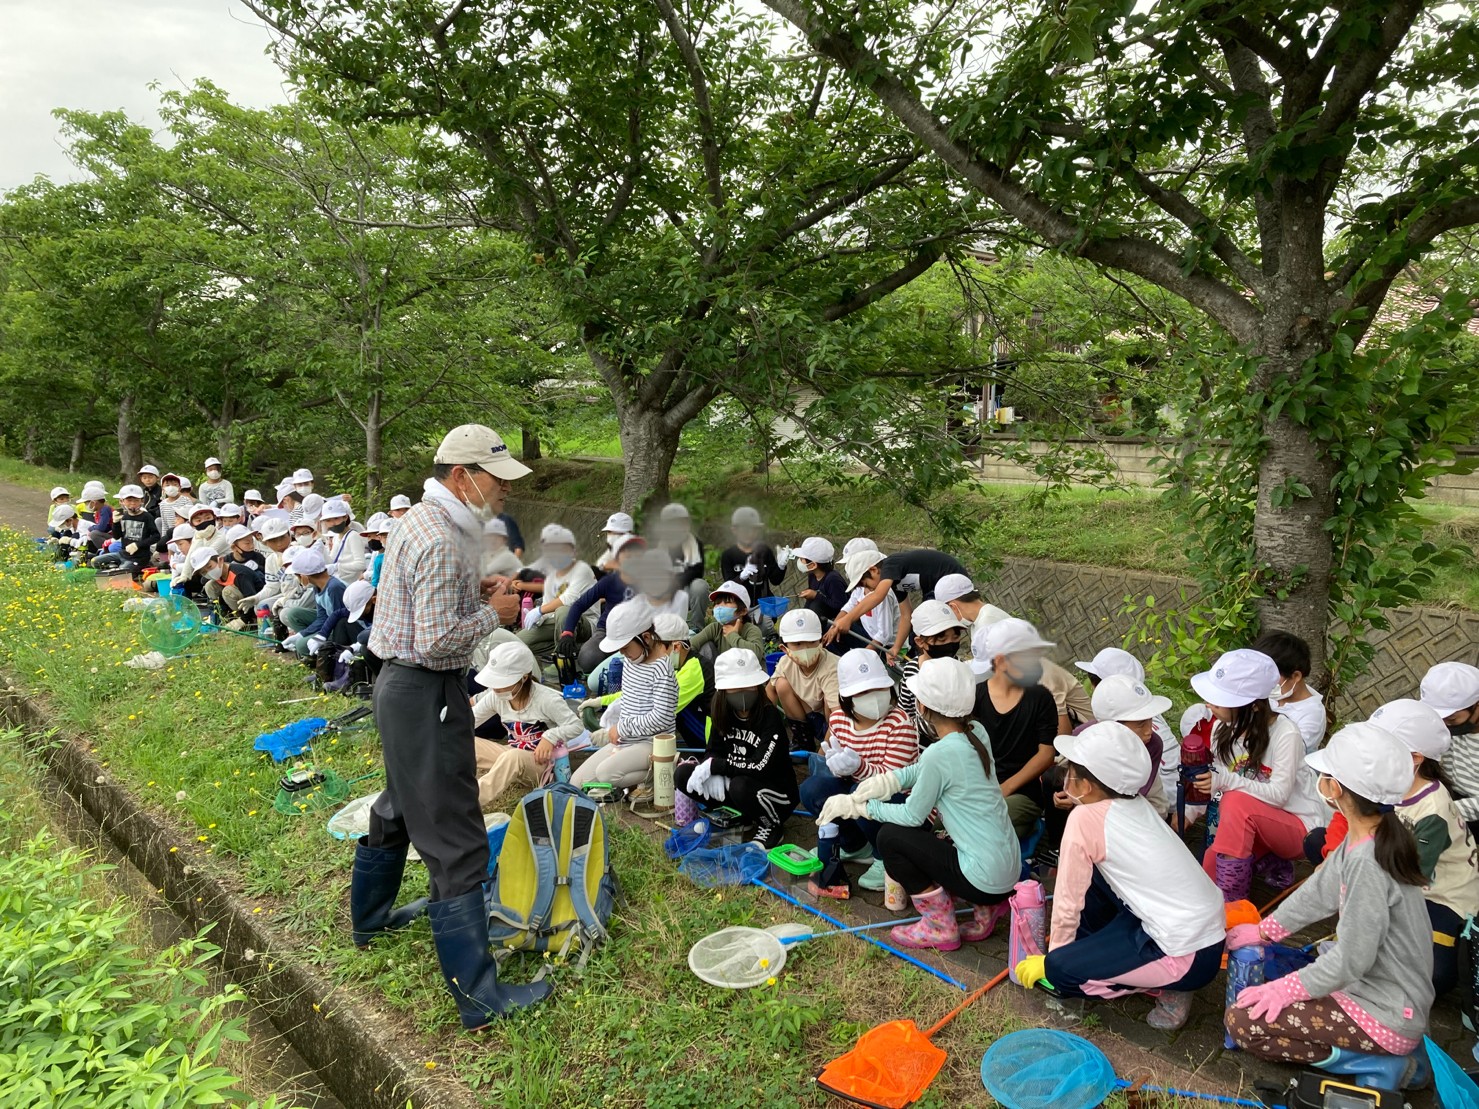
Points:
x=771, y=660
x=773, y=606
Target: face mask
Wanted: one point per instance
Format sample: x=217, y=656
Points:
x=171, y=490
x=873, y=705
x=561, y=561
x=303, y=540
x=205, y=531
x=339, y=529
x=634, y=651
x=805, y=656
x=1320, y=789
x=927, y=729
x=1075, y=798
x=1029, y=673
x=303, y=490
x=375, y=545
x=807, y=567
x=1466, y=728
x=213, y=474
x=482, y=511
x=743, y=700
x=1280, y=694
x=943, y=650
x=213, y=572
x=725, y=614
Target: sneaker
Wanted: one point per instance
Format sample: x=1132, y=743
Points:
x=236, y=625
x=767, y=835
x=872, y=878
x=862, y=854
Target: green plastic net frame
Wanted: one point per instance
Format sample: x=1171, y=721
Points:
x=333, y=790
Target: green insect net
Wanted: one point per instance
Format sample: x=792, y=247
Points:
x=169, y=624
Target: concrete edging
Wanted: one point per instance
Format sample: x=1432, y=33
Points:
x=350, y=1046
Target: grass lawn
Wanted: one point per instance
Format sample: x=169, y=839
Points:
x=634, y=1029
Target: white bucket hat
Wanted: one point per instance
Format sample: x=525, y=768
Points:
x=1236, y=679
x=952, y=587
x=1368, y=760
x=933, y=617
x=1418, y=725
x=627, y=621
x=738, y=668
x=1121, y=697
x=507, y=663
x=945, y=685
x=1111, y=661
x=1111, y=752
x=860, y=670
x=800, y=625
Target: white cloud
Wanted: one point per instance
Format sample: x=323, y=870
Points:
x=101, y=55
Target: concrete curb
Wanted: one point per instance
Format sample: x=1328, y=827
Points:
x=350, y=1045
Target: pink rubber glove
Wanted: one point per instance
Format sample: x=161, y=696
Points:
x=1243, y=935
x=1264, y=1003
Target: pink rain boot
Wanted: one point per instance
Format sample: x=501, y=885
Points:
x=936, y=928
x=1172, y=1010
x=983, y=923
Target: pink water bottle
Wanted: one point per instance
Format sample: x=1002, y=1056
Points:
x=1029, y=929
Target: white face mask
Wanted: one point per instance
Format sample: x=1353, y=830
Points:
x=1280, y=694
x=872, y=705
x=304, y=540
x=303, y=490
x=171, y=490
x=213, y=572
x=213, y=474
x=482, y=511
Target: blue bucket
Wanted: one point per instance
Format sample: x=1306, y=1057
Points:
x=771, y=660
x=773, y=606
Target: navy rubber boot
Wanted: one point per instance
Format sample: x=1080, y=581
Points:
x=460, y=928
x=372, y=892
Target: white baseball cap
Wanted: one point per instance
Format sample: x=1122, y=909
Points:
x=674, y=511
x=284, y=487
x=855, y=544
x=229, y=510
x=1237, y=678
x=739, y=668
x=237, y=532
x=800, y=625
x=273, y=527
x=201, y=555
x=59, y=491
x=625, y=541
x=1450, y=687
x=1368, y=760
x=945, y=685
x=745, y=517
x=357, y=595
x=400, y=500
x=309, y=562
x=130, y=491
x=252, y=495
x=212, y=461
x=94, y=491
x=1111, y=661
x=1417, y=725
x=988, y=615
x=952, y=587
x=860, y=670
x=859, y=564
x=149, y=470
x=201, y=508
x=1112, y=753
x=182, y=531
x=302, y=476
x=1005, y=637
x=379, y=521
x=1121, y=697
x=732, y=589
x=669, y=627
x=333, y=508
x=556, y=535
x=627, y=621
x=495, y=526
x=186, y=483
x=933, y=617
x=508, y=663
x=63, y=512
x=301, y=519
x=313, y=505
x=476, y=445
x=619, y=522
x=816, y=549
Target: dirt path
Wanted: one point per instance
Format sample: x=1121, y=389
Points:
x=23, y=508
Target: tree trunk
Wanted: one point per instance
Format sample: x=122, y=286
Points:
x=374, y=440
x=531, y=449
x=80, y=437
x=1291, y=543
x=648, y=447
x=28, y=453
x=130, y=449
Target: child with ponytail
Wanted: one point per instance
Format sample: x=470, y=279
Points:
x=1266, y=795
x=1369, y=993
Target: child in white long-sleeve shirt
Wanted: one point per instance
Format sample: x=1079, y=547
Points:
x=537, y=719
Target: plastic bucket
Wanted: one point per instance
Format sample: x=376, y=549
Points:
x=774, y=606
x=771, y=660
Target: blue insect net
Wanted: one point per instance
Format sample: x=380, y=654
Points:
x=689, y=838
x=734, y=865
x=1042, y=1067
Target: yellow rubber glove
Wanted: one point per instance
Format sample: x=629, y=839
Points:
x=1029, y=972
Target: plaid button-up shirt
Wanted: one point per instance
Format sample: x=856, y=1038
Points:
x=427, y=608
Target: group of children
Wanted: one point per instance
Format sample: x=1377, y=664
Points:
x=940, y=773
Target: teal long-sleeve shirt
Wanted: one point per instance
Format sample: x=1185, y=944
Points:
x=949, y=777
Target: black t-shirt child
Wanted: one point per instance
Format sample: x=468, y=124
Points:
x=921, y=569
x=1017, y=734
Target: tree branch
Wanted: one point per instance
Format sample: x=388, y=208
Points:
x=1181, y=208
x=713, y=169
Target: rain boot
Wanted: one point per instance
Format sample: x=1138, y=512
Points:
x=323, y=665
x=340, y=679
x=1378, y=1070
x=1234, y=876
x=936, y=927
x=803, y=735
x=1172, y=1010
x=980, y=926
x=372, y=892
x=1274, y=872
x=459, y=926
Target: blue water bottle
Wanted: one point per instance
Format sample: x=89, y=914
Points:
x=561, y=764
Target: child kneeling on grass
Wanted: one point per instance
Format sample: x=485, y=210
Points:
x=980, y=861
x=1132, y=910
x=536, y=717
x=747, y=763
x=1369, y=993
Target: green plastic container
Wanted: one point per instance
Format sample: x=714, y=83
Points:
x=794, y=861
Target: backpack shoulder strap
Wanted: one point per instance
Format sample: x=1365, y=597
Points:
x=587, y=865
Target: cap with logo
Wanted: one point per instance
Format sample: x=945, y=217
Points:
x=333, y=509
x=130, y=491
x=357, y=595
x=800, y=625
x=555, y=535
x=229, y=510
x=859, y=564
x=669, y=627
x=59, y=491
x=237, y=532
x=379, y=521
x=94, y=491
x=620, y=523
x=952, y=587
x=739, y=668
x=252, y=496
x=1111, y=661
x=151, y=470
x=860, y=670
x=1237, y=678
x=182, y=531
x=856, y=544
x=933, y=617
x=945, y=685
x=476, y=445
x=201, y=555
x=816, y=549
x=1121, y=697
x=494, y=526
x=508, y=664
x=400, y=500
x=273, y=527
x=302, y=476
x=734, y=590
x=1417, y=725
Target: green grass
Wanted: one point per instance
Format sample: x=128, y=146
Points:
x=44, y=477
x=633, y=1029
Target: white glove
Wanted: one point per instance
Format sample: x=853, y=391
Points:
x=879, y=787
x=783, y=555
x=292, y=641
x=844, y=806
x=591, y=703
x=600, y=737
x=701, y=774
x=749, y=571
x=716, y=787
x=346, y=656
x=315, y=644
x=132, y=548
x=532, y=618
x=842, y=761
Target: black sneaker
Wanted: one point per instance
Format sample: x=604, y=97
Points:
x=767, y=835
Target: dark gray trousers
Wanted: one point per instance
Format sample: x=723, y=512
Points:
x=431, y=782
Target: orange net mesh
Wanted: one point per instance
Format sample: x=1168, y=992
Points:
x=891, y=1066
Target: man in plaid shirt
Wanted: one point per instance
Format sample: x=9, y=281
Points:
x=430, y=611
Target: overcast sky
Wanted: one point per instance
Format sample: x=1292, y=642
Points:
x=102, y=54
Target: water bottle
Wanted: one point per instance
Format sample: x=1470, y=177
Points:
x=561, y=763
x=1244, y=969
x=664, y=758
x=264, y=624
x=1029, y=922
x=1196, y=760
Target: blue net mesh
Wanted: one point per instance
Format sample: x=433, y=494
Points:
x=1280, y=960
x=1456, y=1090
x=291, y=739
x=735, y=865
x=687, y=839
x=1043, y=1067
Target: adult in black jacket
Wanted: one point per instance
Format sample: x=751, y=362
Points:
x=751, y=562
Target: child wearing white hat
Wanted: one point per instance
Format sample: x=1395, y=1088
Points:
x=1132, y=910
x=1266, y=798
x=731, y=625
x=312, y=627
x=880, y=625
x=747, y=761
x=1370, y=992
x=274, y=538
x=344, y=548
x=825, y=590
x=938, y=633
x=804, y=685
x=536, y=717
x=1452, y=688
x=215, y=489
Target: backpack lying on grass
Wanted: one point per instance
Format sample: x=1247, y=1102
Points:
x=553, y=889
